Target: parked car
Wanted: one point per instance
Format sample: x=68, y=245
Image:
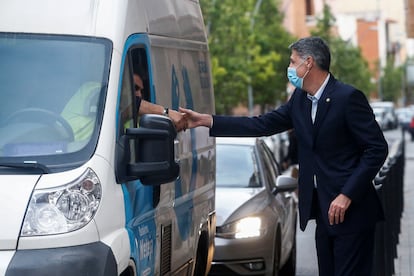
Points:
x=256, y=211
x=404, y=115
x=279, y=145
x=380, y=117
x=411, y=128
x=385, y=114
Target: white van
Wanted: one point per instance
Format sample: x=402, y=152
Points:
x=85, y=187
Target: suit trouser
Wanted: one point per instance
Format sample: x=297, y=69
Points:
x=345, y=254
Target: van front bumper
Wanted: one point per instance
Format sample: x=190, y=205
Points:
x=94, y=259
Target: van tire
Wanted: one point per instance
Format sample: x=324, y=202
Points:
x=202, y=255
x=131, y=270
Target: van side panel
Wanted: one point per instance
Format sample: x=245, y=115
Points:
x=181, y=78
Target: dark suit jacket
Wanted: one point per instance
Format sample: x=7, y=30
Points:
x=344, y=148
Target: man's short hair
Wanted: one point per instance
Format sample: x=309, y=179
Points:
x=315, y=47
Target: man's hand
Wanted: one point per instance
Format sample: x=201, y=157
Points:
x=337, y=209
x=179, y=119
x=195, y=119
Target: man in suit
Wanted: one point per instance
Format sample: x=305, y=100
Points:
x=340, y=149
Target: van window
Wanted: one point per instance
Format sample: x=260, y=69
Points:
x=127, y=105
x=52, y=94
x=140, y=68
x=135, y=66
x=135, y=81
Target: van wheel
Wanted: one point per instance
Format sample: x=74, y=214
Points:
x=131, y=270
x=201, y=258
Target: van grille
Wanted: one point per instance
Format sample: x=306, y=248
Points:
x=166, y=250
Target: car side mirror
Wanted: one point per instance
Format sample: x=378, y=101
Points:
x=285, y=183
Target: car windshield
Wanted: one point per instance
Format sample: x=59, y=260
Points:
x=236, y=166
x=52, y=93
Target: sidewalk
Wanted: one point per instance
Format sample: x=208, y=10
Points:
x=404, y=264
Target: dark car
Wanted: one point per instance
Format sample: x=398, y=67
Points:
x=256, y=210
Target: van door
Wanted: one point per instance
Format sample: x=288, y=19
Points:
x=140, y=200
x=165, y=221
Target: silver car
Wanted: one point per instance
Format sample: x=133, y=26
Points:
x=385, y=114
x=256, y=210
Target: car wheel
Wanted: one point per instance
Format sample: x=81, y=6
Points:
x=289, y=268
x=276, y=255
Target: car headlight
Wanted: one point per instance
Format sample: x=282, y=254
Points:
x=249, y=227
x=64, y=208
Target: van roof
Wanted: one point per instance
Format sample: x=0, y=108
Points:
x=112, y=19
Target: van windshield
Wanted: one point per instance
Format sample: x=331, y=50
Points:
x=52, y=90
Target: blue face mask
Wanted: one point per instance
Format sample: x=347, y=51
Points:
x=293, y=76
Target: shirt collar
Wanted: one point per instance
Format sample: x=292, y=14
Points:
x=318, y=93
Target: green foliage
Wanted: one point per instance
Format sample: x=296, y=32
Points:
x=347, y=63
x=392, y=81
x=324, y=25
x=350, y=67
x=246, y=47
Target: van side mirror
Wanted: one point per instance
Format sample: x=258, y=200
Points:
x=154, y=162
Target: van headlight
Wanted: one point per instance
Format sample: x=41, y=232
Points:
x=248, y=227
x=64, y=208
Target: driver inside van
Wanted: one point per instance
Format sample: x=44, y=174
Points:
x=80, y=112
x=145, y=107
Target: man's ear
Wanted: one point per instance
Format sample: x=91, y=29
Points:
x=309, y=62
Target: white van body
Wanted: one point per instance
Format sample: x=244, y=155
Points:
x=86, y=188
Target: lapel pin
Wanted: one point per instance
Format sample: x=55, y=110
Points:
x=328, y=100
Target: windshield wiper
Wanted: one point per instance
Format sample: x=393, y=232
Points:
x=27, y=165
